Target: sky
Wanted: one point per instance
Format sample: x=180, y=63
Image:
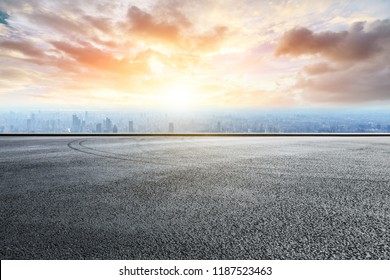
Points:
x=185, y=54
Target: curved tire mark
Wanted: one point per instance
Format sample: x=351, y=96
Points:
x=79, y=147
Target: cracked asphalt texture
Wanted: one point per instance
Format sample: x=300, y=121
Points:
x=195, y=198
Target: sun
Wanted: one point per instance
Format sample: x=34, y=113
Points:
x=180, y=96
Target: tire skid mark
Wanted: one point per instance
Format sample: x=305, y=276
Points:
x=136, y=145
x=81, y=143
x=79, y=147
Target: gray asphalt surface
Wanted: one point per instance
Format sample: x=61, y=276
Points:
x=194, y=198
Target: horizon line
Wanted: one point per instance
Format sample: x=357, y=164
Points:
x=195, y=134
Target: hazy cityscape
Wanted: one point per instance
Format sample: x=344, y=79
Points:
x=277, y=121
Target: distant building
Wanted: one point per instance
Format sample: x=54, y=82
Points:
x=99, y=128
x=29, y=126
x=219, y=127
x=115, y=129
x=107, y=125
x=76, y=124
x=131, y=127
x=170, y=127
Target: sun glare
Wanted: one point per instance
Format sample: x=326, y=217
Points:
x=180, y=97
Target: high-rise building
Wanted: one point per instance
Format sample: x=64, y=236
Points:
x=99, y=128
x=131, y=128
x=76, y=124
x=170, y=127
x=29, y=126
x=107, y=125
x=115, y=129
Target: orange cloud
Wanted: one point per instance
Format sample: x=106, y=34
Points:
x=211, y=41
x=169, y=25
x=90, y=56
x=144, y=24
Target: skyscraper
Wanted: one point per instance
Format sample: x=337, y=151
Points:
x=170, y=127
x=131, y=128
x=76, y=124
x=107, y=125
x=99, y=128
x=29, y=126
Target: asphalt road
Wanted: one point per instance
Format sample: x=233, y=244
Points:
x=194, y=198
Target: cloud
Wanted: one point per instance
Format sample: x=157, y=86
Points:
x=142, y=47
x=318, y=68
x=100, y=23
x=167, y=24
x=15, y=79
x=23, y=47
x=58, y=22
x=89, y=56
x=4, y=30
x=144, y=24
x=355, y=67
x=211, y=41
x=352, y=86
x=360, y=42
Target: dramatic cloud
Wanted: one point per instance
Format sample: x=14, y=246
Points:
x=25, y=48
x=357, y=43
x=138, y=53
x=210, y=41
x=169, y=25
x=144, y=24
x=348, y=87
x=319, y=68
x=93, y=57
x=58, y=22
x=356, y=62
x=102, y=24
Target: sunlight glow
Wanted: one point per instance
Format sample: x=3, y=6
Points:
x=156, y=66
x=180, y=96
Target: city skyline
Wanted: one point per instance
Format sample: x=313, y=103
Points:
x=186, y=55
x=271, y=121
